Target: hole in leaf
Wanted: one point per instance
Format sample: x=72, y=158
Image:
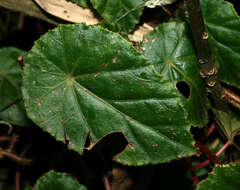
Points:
x=110, y=145
x=183, y=88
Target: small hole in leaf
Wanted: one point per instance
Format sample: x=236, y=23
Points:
x=183, y=88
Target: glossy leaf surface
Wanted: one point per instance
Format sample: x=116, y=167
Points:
x=58, y=181
x=123, y=14
x=170, y=50
x=11, y=109
x=81, y=81
x=223, y=25
x=225, y=177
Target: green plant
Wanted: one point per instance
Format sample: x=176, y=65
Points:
x=82, y=83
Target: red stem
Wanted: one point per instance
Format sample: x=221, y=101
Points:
x=17, y=181
x=204, y=149
x=106, y=183
x=232, y=97
x=210, y=130
x=227, y=144
x=191, y=170
x=13, y=141
x=5, y=138
x=206, y=162
x=201, y=165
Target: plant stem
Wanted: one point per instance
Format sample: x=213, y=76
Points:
x=201, y=165
x=191, y=170
x=206, y=162
x=106, y=182
x=232, y=98
x=227, y=144
x=5, y=138
x=13, y=141
x=210, y=130
x=14, y=157
x=204, y=149
x=205, y=59
x=6, y=123
x=17, y=181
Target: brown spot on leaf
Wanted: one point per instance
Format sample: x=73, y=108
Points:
x=96, y=75
x=131, y=146
x=67, y=138
x=155, y=145
x=115, y=59
x=154, y=39
x=145, y=40
x=37, y=100
x=63, y=122
x=20, y=61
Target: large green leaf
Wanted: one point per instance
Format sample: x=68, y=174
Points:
x=82, y=3
x=169, y=48
x=223, y=25
x=224, y=177
x=58, y=181
x=123, y=14
x=11, y=108
x=83, y=80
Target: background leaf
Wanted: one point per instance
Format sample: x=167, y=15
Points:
x=229, y=123
x=89, y=81
x=15, y=114
x=223, y=25
x=11, y=107
x=58, y=181
x=169, y=48
x=120, y=13
x=224, y=177
x=82, y=3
